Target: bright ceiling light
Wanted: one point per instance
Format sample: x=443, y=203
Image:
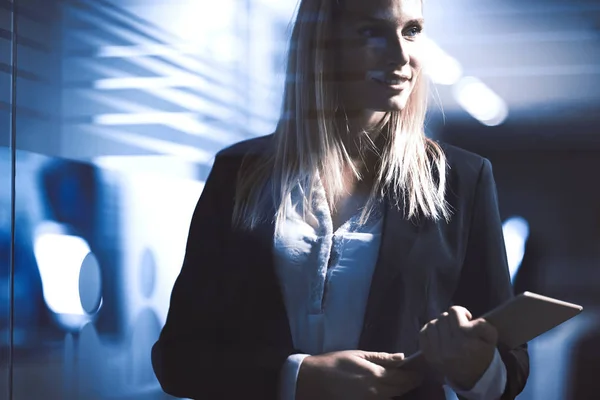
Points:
x=480, y=101
x=442, y=68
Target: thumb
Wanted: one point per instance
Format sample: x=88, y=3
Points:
x=484, y=331
x=384, y=359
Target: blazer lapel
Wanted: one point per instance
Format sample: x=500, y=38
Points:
x=399, y=237
x=272, y=308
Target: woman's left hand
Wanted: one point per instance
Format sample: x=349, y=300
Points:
x=459, y=348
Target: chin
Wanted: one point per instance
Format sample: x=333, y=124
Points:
x=391, y=104
x=397, y=106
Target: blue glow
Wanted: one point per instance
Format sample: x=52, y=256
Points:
x=516, y=232
x=60, y=256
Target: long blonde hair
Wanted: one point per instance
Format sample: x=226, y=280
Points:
x=309, y=143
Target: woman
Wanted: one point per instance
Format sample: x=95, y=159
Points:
x=320, y=255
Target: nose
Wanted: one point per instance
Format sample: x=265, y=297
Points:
x=397, y=53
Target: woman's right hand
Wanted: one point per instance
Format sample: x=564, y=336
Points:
x=354, y=375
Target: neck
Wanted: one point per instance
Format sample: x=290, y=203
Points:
x=353, y=127
x=361, y=121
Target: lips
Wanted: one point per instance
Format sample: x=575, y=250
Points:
x=394, y=82
x=388, y=78
x=390, y=81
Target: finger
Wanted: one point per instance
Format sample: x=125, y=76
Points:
x=424, y=345
x=456, y=323
x=430, y=343
x=448, y=326
x=392, y=361
x=373, y=356
x=461, y=314
x=448, y=333
x=485, y=331
x=434, y=338
x=383, y=359
x=372, y=370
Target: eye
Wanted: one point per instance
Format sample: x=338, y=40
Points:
x=413, y=31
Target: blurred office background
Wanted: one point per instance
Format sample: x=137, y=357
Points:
x=111, y=112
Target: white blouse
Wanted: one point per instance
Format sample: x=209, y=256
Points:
x=325, y=278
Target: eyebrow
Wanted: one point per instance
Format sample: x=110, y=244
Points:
x=414, y=21
x=385, y=19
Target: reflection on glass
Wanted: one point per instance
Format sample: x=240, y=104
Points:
x=6, y=199
x=122, y=106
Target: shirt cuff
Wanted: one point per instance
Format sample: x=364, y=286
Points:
x=491, y=385
x=289, y=375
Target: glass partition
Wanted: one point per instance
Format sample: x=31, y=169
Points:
x=6, y=197
x=122, y=107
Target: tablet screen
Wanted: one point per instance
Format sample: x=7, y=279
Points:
x=529, y=315
x=519, y=320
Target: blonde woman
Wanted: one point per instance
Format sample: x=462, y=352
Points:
x=318, y=256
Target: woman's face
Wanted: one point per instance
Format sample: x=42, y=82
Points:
x=379, y=56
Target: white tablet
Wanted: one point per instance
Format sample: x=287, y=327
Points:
x=519, y=320
x=529, y=315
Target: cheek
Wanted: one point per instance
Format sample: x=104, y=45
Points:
x=376, y=45
x=371, y=53
x=374, y=50
x=352, y=59
x=362, y=53
x=417, y=56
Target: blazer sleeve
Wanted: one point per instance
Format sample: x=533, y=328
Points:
x=485, y=281
x=191, y=358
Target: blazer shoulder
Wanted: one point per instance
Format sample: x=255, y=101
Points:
x=465, y=167
x=255, y=146
x=228, y=161
x=460, y=158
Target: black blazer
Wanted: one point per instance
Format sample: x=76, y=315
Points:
x=227, y=333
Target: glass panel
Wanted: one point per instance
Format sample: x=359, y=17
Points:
x=6, y=196
x=122, y=107
x=37, y=345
